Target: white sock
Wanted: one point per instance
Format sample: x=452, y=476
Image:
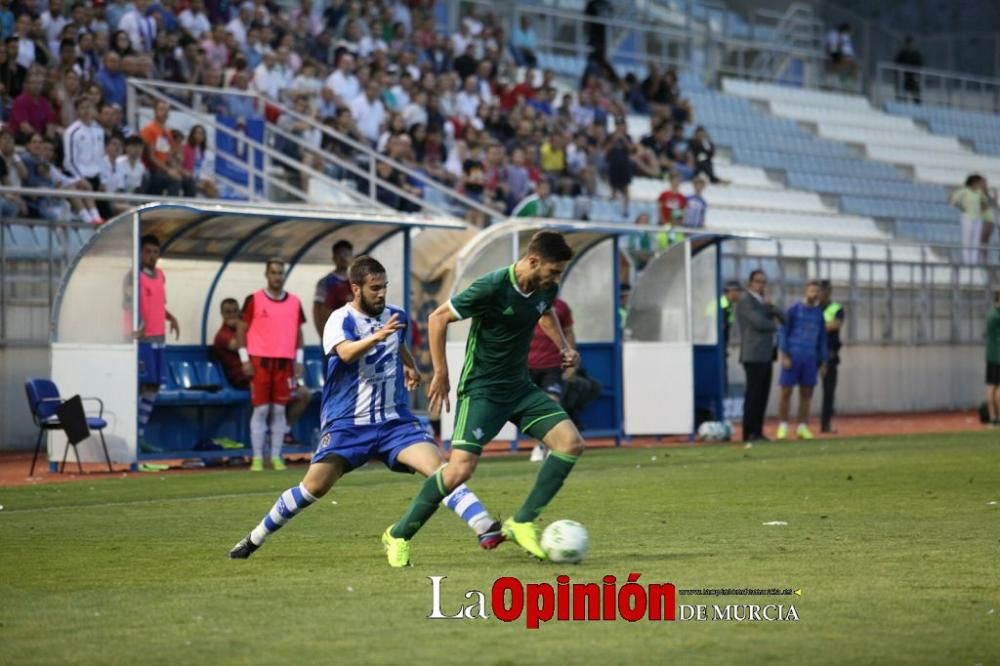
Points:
x=85, y=215
x=289, y=504
x=94, y=215
x=278, y=425
x=258, y=429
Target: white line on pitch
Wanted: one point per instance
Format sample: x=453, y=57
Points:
x=167, y=500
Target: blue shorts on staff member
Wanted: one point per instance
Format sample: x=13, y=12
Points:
x=802, y=373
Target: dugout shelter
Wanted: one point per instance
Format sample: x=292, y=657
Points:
x=208, y=253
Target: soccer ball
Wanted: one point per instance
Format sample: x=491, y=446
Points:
x=714, y=431
x=565, y=541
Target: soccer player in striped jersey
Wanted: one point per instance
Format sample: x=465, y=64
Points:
x=495, y=387
x=365, y=412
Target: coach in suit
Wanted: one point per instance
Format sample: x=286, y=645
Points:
x=758, y=320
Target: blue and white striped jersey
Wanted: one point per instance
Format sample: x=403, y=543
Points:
x=369, y=391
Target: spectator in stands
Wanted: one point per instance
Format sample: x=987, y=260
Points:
x=83, y=154
x=31, y=112
x=31, y=48
x=537, y=204
x=194, y=20
x=121, y=44
x=524, y=43
x=833, y=316
x=618, y=153
x=240, y=23
x=63, y=95
x=12, y=74
x=758, y=321
x=369, y=112
x=732, y=292
x=272, y=355
x=225, y=345
x=840, y=51
x=597, y=11
x=696, y=207
x=680, y=158
x=672, y=204
x=163, y=156
x=971, y=200
x=333, y=290
x=111, y=79
x=12, y=174
x=803, y=350
x=911, y=58
x=993, y=361
x=43, y=173
x=198, y=161
x=140, y=28
x=702, y=151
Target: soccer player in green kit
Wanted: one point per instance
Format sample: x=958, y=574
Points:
x=495, y=387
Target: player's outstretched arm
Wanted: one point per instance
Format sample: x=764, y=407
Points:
x=437, y=336
x=350, y=351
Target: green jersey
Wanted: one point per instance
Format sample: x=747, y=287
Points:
x=503, y=323
x=993, y=336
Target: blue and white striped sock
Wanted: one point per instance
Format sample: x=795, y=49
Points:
x=289, y=504
x=468, y=507
x=146, y=401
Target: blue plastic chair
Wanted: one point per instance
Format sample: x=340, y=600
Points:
x=43, y=401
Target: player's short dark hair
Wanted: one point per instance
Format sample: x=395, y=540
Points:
x=227, y=301
x=149, y=239
x=550, y=246
x=755, y=272
x=813, y=283
x=274, y=260
x=343, y=245
x=362, y=267
x=732, y=284
x=825, y=284
x=134, y=140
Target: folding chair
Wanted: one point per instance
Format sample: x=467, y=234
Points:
x=45, y=405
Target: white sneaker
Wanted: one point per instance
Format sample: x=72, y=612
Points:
x=538, y=453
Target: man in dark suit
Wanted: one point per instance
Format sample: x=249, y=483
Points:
x=758, y=320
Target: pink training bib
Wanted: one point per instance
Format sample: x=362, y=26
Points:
x=274, y=328
x=153, y=303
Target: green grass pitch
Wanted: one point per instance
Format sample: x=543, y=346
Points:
x=894, y=543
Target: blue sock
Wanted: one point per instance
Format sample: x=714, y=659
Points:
x=289, y=504
x=468, y=507
x=146, y=401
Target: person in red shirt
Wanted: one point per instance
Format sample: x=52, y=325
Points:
x=545, y=362
x=272, y=355
x=333, y=291
x=225, y=345
x=31, y=112
x=672, y=203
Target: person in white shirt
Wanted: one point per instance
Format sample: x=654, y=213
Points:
x=53, y=22
x=270, y=77
x=130, y=173
x=241, y=23
x=372, y=41
x=141, y=29
x=25, y=44
x=195, y=20
x=308, y=83
x=343, y=82
x=467, y=101
x=368, y=111
x=83, y=152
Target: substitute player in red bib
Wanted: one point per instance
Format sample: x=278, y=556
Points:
x=152, y=333
x=271, y=351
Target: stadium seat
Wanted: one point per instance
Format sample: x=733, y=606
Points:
x=44, y=402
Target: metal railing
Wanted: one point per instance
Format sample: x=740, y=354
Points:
x=935, y=87
x=798, y=28
x=364, y=170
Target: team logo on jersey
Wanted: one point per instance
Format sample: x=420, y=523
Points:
x=509, y=311
x=478, y=432
x=542, y=306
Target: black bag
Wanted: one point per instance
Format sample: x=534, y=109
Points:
x=581, y=390
x=984, y=413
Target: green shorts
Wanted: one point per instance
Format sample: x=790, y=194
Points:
x=478, y=419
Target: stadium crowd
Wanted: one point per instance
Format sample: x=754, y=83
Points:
x=469, y=110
